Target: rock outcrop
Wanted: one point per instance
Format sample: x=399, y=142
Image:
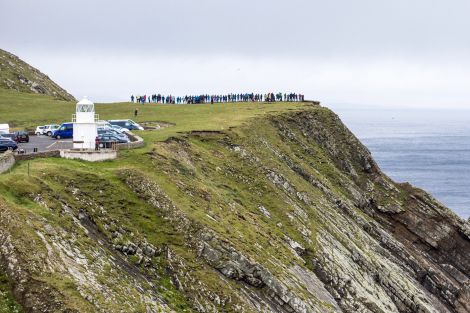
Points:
x=17, y=75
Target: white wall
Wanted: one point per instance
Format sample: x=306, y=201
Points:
x=91, y=156
x=85, y=132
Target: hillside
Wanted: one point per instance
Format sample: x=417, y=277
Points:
x=235, y=208
x=17, y=75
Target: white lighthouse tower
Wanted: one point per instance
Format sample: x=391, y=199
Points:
x=85, y=127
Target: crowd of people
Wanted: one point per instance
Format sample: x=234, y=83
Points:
x=232, y=97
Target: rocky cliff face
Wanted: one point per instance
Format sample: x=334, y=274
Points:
x=289, y=213
x=17, y=75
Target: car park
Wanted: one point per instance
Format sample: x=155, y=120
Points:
x=7, y=144
x=64, y=131
x=44, y=143
x=128, y=124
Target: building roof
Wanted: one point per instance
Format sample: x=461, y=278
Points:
x=85, y=101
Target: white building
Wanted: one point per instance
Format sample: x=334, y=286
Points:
x=85, y=127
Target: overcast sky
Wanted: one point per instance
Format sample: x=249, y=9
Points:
x=377, y=52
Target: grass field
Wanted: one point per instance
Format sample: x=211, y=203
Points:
x=26, y=111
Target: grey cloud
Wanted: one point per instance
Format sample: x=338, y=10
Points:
x=262, y=27
x=361, y=51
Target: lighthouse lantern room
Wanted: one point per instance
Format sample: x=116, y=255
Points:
x=85, y=125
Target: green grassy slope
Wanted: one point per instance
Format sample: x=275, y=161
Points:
x=238, y=207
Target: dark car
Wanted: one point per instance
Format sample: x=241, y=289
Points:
x=112, y=132
x=7, y=144
x=21, y=136
x=106, y=140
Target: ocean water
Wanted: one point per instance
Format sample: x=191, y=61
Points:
x=428, y=148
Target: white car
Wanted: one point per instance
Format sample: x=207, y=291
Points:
x=39, y=130
x=129, y=124
x=50, y=129
x=46, y=129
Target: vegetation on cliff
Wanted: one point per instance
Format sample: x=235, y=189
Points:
x=240, y=207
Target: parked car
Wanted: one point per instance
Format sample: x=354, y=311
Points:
x=8, y=136
x=129, y=124
x=106, y=140
x=7, y=144
x=49, y=129
x=39, y=130
x=120, y=129
x=104, y=131
x=64, y=131
x=107, y=125
x=21, y=136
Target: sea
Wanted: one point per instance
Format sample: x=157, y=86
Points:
x=429, y=148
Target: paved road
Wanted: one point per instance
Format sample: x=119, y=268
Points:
x=45, y=143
